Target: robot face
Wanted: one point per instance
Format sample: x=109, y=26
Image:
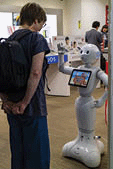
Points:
x=89, y=53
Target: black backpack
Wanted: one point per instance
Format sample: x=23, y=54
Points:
x=14, y=67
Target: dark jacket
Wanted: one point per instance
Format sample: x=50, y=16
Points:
x=94, y=37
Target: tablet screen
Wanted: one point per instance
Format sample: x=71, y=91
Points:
x=79, y=78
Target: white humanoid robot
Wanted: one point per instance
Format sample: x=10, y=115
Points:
x=86, y=148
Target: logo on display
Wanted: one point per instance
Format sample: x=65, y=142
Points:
x=54, y=59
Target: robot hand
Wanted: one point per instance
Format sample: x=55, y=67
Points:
x=61, y=64
x=98, y=103
x=61, y=49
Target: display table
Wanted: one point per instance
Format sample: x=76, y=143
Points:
x=75, y=60
x=57, y=81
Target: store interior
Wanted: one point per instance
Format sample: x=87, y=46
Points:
x=64, y=18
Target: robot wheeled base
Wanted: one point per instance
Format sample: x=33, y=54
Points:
x=85, y=148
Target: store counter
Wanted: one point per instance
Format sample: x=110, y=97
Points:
x=74, y=59
x=57, y=81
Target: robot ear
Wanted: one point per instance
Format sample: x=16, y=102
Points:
x=97, y=55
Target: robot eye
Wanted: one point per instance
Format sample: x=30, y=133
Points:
x=81, y=51
x=87, y=52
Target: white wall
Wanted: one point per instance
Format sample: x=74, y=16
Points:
x=45, y=3
x=73, y=10
x=6, y=19
x=73, y=14
x=15, y=6
x=85, y=10
x=92, y=10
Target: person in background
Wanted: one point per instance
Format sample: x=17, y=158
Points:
x=67, y=43
x=93, y=36
x=75, y=49
x=104, y=32
x=74, y=44
x=27, y=118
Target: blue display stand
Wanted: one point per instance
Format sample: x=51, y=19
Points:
x=54, y=59
x=57, y=81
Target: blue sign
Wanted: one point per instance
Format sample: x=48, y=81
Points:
x=54, y=59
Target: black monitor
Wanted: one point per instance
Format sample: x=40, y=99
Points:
x=80, y=78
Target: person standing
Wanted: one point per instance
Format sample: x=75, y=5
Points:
x=67, y=43
x=93, y=36
x=104, y=32
x=27, y=117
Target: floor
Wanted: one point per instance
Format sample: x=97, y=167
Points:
x=62, y=125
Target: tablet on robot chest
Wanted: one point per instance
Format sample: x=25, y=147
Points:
x=80, y=78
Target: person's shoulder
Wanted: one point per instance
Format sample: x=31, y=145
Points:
x=24, y=31
x=16, y=32
x=99, y=33
x=38, y=36
x=91, y=30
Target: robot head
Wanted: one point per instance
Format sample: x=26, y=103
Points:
x=89, y=53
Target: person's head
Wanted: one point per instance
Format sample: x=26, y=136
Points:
x=67, y=40
x=89, y=53
x=74, y=44
x=104, y=28
x=33, y=13
x=95, y=24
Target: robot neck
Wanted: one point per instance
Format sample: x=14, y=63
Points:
x=88, y=65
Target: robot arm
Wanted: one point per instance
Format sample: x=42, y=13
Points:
x=61, y=65
x=102, y=76
x=100, y=101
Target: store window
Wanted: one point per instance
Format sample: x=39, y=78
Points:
x=51, y=27
x=9, y=24
x=5, y=21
